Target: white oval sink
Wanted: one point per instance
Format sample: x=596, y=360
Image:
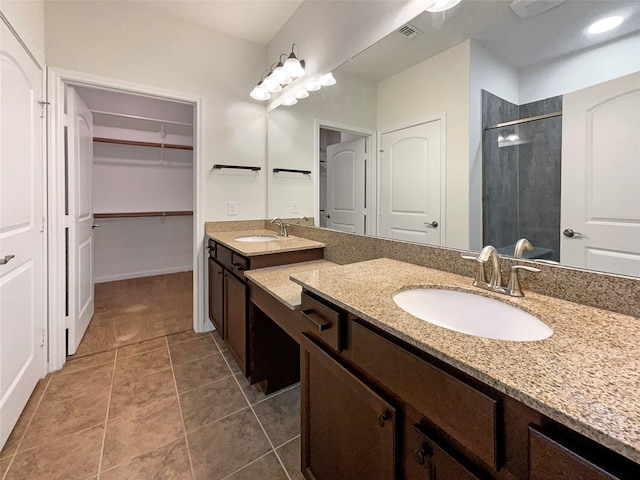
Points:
x=472, y=314
x=256, y=238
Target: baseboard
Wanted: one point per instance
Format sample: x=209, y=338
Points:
x=148, y=273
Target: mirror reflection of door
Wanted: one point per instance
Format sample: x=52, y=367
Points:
x=342, y=181
x=410, y=184
x=601, y=174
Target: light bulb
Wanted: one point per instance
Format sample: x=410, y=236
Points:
x=313, y=87
x=280, y=76
x=442, y=5
x=293, y=67
x=271, y=85
x=290, y=101
x=327, y=80
x=260, y=93
x=302, y=94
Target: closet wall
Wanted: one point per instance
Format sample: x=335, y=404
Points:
x=142, y=185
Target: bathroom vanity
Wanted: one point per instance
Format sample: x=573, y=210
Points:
x=386, y=395
x=228, y=259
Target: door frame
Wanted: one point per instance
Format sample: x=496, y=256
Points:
x=370, y=178
x=57, y=79
x=442, y=116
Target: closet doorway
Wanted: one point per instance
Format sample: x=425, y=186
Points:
x=135, y=276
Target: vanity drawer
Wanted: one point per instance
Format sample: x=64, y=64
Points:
x=231, y=260
x=322, y=321
x=465, y=414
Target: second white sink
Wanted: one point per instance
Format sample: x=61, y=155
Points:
x=256, y=238
x=472, y=314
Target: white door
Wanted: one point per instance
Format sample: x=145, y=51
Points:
x=22, y=238
x=410, y=184
x=79, y=123
x=346, y=173
x=601, y=177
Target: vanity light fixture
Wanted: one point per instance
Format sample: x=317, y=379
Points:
x=290, y=101
x=442, y=5
x=327, y=80
x=280, y=75
x=302, y=94
x=313, y=87
x=605, y=24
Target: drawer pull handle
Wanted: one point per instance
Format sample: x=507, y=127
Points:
x=382, y=419
x=419, y=454
x=316, y=319
x=238, y=266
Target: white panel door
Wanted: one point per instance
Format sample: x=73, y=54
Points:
x=346, y=173
x=410, y=184
x=601, y=177
x=22, y=239
x=79, y=122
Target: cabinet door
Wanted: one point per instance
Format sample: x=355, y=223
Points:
x=348, y=431
x=216, y=296
x=235, y=314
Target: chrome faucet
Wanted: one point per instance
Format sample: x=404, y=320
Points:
x=494, y=284
x=283, y=227
x=522, y=245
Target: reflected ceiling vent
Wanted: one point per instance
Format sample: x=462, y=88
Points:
x=409, y=31
x=529, y=8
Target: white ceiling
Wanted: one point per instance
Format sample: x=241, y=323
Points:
x=254, y=20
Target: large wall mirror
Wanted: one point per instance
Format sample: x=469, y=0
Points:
x=477, y=126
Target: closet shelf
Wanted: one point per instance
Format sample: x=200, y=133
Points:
x=176, y=213
x=141, y=144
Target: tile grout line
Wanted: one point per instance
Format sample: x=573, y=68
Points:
x=245, y=466
x=184, y=428
x=26, y=429
x=106, y=416
x=259, y=423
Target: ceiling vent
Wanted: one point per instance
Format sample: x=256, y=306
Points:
x=529, y=8
x=409, y=31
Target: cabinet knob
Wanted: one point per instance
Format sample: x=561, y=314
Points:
x=382, y=419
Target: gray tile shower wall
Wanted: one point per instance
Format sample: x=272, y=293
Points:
x=521, y=181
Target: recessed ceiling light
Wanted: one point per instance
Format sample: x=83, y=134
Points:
x=442, y=5
x=605, y=24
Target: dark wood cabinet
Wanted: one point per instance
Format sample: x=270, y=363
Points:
x=447, y=425
x=216, y=296
x=348, y=430
x=235, y=319
x=229, y=295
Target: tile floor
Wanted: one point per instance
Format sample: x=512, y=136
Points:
x=138, y=309
x=172, y=407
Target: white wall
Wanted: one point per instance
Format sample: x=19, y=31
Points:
x=329, y=33
x=293, y=139
x=491, y=73
x=126, y=41
x=27, y=18
x=581, y=70
x=439, y=84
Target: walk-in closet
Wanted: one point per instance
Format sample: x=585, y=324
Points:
x=142, y=206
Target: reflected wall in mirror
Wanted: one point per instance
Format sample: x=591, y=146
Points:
x=551, y=153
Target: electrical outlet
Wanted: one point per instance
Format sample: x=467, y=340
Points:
x=232, y=208
x=294, y=206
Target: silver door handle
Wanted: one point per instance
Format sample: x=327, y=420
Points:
x=433, y=224
x=570, y=233
x=95, y=225
x=6, y=259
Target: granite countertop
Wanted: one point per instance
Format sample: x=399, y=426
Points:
x=276, y=281
x=249, y=249
x=585, y=376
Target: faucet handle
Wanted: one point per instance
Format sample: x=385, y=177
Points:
x=481, y=277
x=513, y=288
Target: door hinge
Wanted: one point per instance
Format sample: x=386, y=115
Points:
x=43, y=106
x=66, y=221
x=43, y=225
x=43, y=337
x=68, y=120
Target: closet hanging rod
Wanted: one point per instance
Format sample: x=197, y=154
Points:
x=525, y=120
x=137, y=117
x=176, y=213
x=289, y=170
x=218, y=166
x=141, y=144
